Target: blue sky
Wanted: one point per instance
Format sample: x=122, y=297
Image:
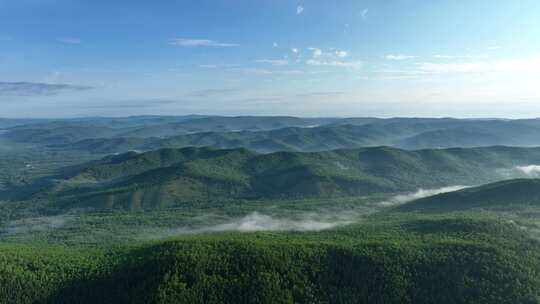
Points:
x=63, y=58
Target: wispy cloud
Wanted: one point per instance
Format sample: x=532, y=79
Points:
x=38, y=89
x=316, y=52
x=341, y=53
x=299, y=9
x=210, y=92
x=517, y=66
x=398, y=57
x=319, y=94
x=69, y=40
x=219, y=65
x=336, y=63
x=438, y=68
x=287, y=98
x=524, y=65
x=364, y=13
x=182, y=42
x=332, y=53
x=131, y=103
x=443, y=56
x=274, y=62
x=295, y=50
x=257, y=71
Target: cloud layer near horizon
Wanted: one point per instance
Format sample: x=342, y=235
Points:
x=38, y=88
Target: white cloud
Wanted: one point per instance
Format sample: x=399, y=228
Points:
x=295, y=50
x=494, y=48
x=364, y=13
x=336, y=63
x=39, y=88
x=439, y=56
x=275, y=62
x=181, y=42
x=398, y=57
x=316, y=52
x=332, y=53
x=440, y=68
x=218, y=65
x=523, y=66
x=342, y=54
x=442, y=56
x=257, y=71
x=299, y=9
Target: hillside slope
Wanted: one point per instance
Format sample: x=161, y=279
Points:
x=443, y=260
x=285, y=139
x=171, y=176
x=509, y=195
x=486, y=133
x=402, y=133
x=269, y=134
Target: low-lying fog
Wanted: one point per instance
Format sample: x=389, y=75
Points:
x=421, y=193
x=528, y=171
x=256, y=221
x=268, y=219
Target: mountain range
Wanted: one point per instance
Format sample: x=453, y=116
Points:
x=270, y=134
x=168, y=177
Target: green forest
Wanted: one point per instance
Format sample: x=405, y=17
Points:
x=242, y=225
x=423, y=259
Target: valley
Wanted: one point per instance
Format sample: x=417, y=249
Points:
x=269, y=152
x=172, y=223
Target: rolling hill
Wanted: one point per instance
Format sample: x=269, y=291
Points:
x=508, y=195
x=169, y=177
x=412, y=260
x=401, y=133
x=271, y=134
x=487, y=133
x=72, y=130
x=285, y=139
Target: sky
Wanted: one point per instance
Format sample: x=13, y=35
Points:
x=439, y=58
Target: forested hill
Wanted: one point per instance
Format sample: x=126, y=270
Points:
x=267, y=134
x=171, y=176
x=508, y=195
x=422, y=260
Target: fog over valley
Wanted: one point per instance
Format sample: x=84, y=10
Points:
x=211, y=151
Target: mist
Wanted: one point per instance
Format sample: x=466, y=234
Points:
x=530, y=171
x=265, y=221
x=527, y=171
x=35, y=224
x=421, y=193
x=323, y=219
x=260, y=222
